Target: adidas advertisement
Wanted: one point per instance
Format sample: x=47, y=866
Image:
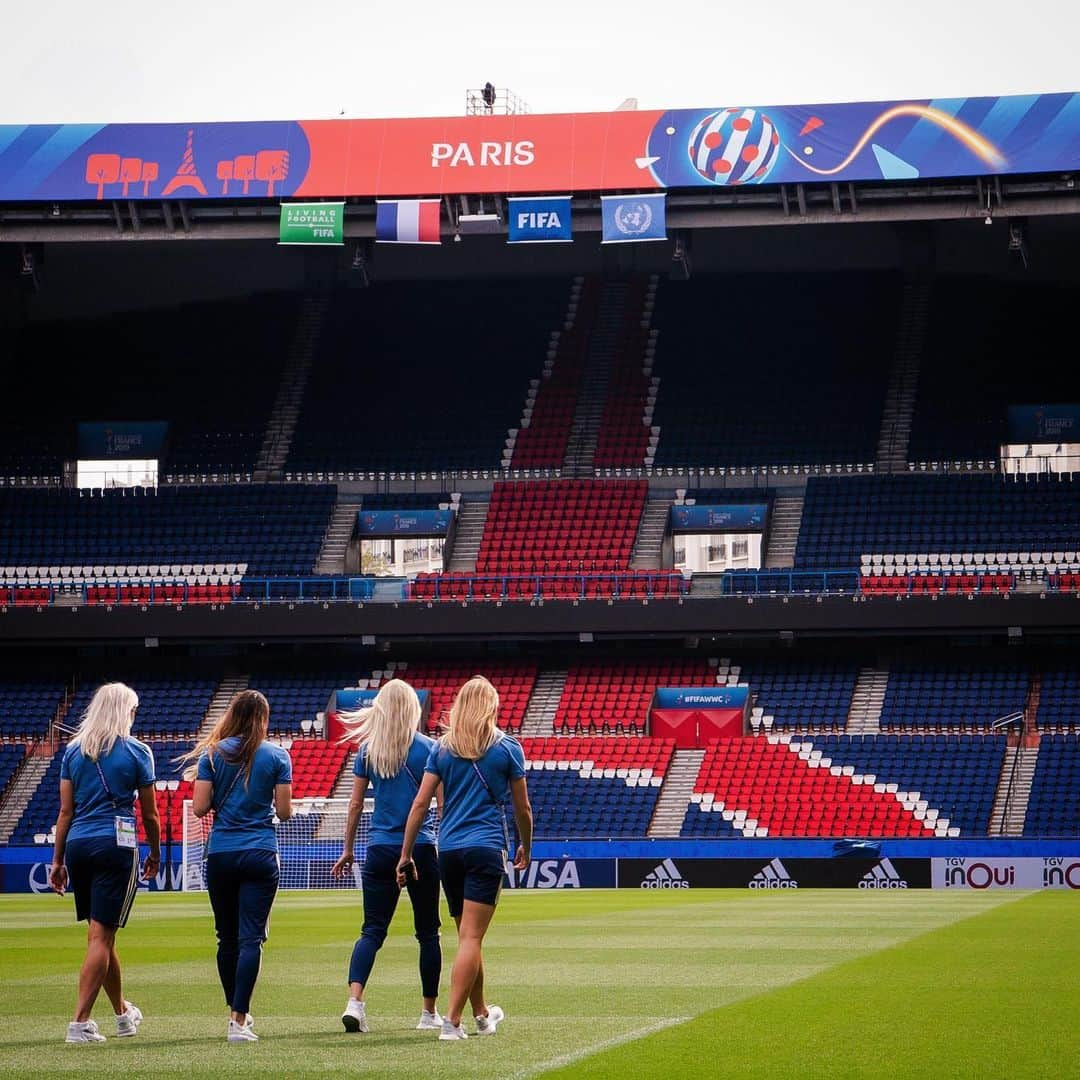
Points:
x=774, y=874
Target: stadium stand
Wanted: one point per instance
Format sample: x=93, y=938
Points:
x=316, y=766
x=168, y=708
x=387, y=342
x=27, y=707
x=609, y=698
x=595, y=787
x=808, y=696
x=188, y=365
x=981, y=325
x=62, y=537
x=762, y=370
x=842, y=785
x=1054, y=805
x=952, y=696
x=935, y=525
x=11, y=757
x=1059, y=700
x=295, y=699
x=39, y=816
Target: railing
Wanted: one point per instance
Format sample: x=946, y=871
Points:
x=525, y=587
x=788, y=582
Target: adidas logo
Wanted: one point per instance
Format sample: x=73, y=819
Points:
x=773, y=875
x=883, y=876
x=665, y=876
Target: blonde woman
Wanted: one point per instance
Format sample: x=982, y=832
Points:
x=475, y=763
x=244, y=779
x=390, y=759
x=97, y=850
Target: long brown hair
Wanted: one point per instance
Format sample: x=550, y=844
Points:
x=246, y=717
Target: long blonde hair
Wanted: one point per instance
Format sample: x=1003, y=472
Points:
x=108, y=717
x=247, y=717
x=474, y=717
x=385, y=727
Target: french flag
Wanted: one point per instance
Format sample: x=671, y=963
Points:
x=407, y=221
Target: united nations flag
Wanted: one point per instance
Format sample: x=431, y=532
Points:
x=630, y=218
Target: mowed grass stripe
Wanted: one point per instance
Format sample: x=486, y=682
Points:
x=996, y=994
x=572, y=970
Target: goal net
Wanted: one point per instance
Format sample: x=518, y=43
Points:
x=309, y=844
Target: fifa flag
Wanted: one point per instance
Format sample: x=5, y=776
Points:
x=407, y=221
x=629, y=218
x=543, y=220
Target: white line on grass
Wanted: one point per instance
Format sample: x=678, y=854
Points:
x=607, y=1044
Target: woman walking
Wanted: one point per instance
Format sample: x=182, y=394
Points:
x=97, y=850
x=390, y=760
x=244, y=779
x=475, y=763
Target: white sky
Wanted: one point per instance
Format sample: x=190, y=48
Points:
x=73, y=61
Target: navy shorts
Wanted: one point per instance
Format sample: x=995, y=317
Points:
x=103, y=878
x=471, y=874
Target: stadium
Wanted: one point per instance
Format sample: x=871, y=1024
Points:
x=738, y=448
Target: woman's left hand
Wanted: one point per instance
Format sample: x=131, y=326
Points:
x=58, y=879
x=151, y=867
x=521, y=859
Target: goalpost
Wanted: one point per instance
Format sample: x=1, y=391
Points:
x=309, y=844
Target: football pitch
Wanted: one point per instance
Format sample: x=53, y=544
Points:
x=594, y=984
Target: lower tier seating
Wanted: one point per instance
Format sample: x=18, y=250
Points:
x=597, y=787
x=1054, y=806
x=847, y=785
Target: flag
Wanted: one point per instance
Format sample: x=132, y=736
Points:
x=407, y=221
x=543, y=220
x=629, y=218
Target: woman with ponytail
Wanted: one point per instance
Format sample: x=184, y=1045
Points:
x=244, y=780
x=390, y=760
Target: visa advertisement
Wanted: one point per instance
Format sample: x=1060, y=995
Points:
x=722, y=145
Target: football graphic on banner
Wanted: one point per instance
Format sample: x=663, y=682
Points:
x=734, y=146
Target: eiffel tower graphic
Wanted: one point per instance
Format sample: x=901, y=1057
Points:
x=186, y=175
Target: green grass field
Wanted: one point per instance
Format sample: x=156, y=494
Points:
x=594, y=984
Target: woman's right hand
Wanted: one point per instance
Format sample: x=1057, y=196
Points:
x=406, y=873
x=342, y=866
x=521, y=859
x=58, y=879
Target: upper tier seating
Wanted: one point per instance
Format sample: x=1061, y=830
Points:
x=932, y=523
x=190, y=365
x=952, y=695
x=565, y=526
x=456, y=357
x=1054, y=806
x=270, y=529
x=615, y=697
x=27, y=707
x=595, y=787
x=761, y=369
x=978, y=361
x=842, y=785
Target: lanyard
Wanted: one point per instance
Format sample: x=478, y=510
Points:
x=118, y=804
x=499, y=805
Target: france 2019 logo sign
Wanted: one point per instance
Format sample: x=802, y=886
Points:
x=734, y=146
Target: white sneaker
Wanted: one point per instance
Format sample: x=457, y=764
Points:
x=83, y=1032
x=241, y=1033
x=450, y=1033
x=127, y=1023
x=486, y=1025
x=354, y=1017
x=430, y=1021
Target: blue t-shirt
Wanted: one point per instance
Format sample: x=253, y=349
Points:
x=470, y=818
x=394, y=796
x=128, y=766
x=244, y=815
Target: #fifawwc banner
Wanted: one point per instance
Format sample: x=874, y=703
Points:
x=630, y=218
x=540, y=221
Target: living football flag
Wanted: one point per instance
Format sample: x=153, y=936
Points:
x=629, y=218
x=407, y=221
x=540, y=221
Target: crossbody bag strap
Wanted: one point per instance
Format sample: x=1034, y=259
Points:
x=498, y=805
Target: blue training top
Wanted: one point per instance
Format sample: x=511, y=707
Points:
x=470, y=817
x=128, y=766
x=394, y=796
x=244, y=815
